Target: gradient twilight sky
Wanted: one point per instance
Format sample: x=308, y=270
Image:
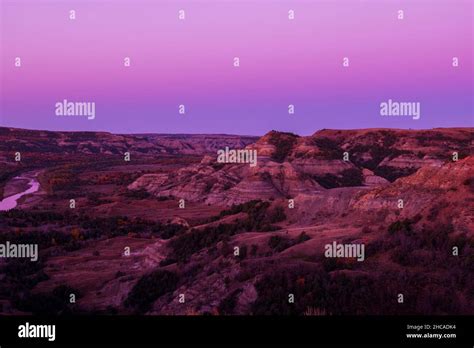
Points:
x=190, y=62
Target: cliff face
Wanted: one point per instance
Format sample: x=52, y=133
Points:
x=23, y=140
x=445, y=192
x=289, y=165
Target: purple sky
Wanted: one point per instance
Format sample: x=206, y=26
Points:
x=190, y=62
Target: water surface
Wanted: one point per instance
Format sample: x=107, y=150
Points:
x=11, y=202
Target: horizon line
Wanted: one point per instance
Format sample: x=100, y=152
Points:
x=235, y=134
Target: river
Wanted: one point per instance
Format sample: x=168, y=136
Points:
x=11, y=201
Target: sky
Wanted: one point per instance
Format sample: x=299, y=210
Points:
x=191, y=62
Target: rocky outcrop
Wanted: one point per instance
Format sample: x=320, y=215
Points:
x=289, y=165
x=370, y=179
x=117, y=144
x=432, y=191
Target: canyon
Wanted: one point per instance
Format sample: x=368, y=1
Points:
x=331, y=187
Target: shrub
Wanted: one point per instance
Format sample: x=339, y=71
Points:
x=189, y=243
x=303, y=237
x=283, y=143
x=307, y=284
x=184, y=245
x=150, y=287
x=277, y=215
x=469, y=182
x=226, y=249
x=227, y=305
x=253, y=250
x=243, y=252
x=329, y=148
x=403, y=226
x=279, y=243
x=347, y=178
x=138, y=194
x=57, y=302
x=169, y=230
x=393, y=173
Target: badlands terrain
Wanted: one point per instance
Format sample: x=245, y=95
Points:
x=154, y=224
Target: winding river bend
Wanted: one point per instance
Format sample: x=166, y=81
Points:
x=33, y=186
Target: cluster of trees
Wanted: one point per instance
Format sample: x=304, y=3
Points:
x=306, y=284
x=121, y=225
x=469, y=182
x=430, y=244
x=362, y=293
x=65, y=179
x=258, y=219
x=329, y=149
x=149, y=288
x=393, y=173
x=183, y=246
x=279, y=243
x=44, y=239
x=23, y=272
x=167, y=231
x=88, y=227
x=227, y=305
x=348, y=177
x=25, y=218
x=8, y=173
x=234, y=209
x=137, y=194
x=117, y=178
x=344, y=288
x=284, y=143
x=19, y=276
x=377, y=152
x=428, y=139
x=247, y=207
x=56, y=303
